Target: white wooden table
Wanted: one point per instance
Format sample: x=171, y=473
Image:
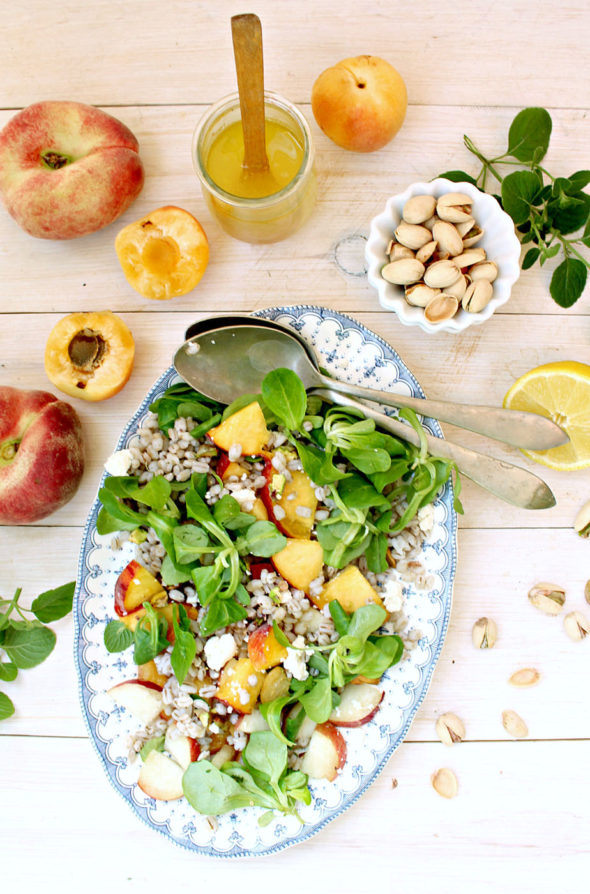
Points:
x=521, y=820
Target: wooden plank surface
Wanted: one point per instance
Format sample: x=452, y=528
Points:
x=521, y=819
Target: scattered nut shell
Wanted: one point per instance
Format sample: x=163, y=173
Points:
x=425, y=253
x=514, y=725
x=441, y=274
x=441, y=308
x=526, y=676
x=403, y=271
x=477, y=296
x=448, y=238
x=484, y=633
x=418, y=209
x=470, y=257
x=587, y=591
x=444, y=783
x=582, y=521
x=412, y=235
x=548, y=598
x=576, y=626
x=418, y=295
x=450, y=729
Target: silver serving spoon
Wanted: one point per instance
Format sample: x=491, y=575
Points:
x=243, y=352
x=211, y=363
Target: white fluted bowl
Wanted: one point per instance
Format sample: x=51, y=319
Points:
x=499, y=240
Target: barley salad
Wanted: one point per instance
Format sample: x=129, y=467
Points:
x=267, y=600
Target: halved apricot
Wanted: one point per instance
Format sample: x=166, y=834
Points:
x=90, y=355
x=164, y=254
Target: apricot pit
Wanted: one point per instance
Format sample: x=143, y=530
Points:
x=90, y=355
x=164, y=254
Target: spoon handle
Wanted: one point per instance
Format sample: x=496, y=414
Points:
x=247, y=41
x=528, y=430
x=510, y=483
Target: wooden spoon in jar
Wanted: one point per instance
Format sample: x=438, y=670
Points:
x=247, y=40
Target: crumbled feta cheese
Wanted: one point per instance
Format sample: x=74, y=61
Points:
x=252, y=680
x=219, y=650
x=119, y=462
x=234, y=452
x=303, y=511
x=296, y=660
x=244, y=696
x=244, y=495
x=392, y=595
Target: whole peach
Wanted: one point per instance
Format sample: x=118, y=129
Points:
x=67, y=169
x=360, y=103
x=41, y=454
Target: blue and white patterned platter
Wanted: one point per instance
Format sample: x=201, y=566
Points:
x=352, y=353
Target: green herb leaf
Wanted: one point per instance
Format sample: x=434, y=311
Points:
x=221, y=613
x=54, y=604
x=529, y=135
x=150, y=635
x=8, y=671
x=340, y=617
x=117, y=636
x=261, y=539
x=28, y=643
x=283, y=393
x=520, y=191
x=185, y=646
x=318, y=702
x=530, y=258
x=155, y=744
x=266, y=754
x=568, y=282
x=6, y=706
x=458, y=177
x=209, y=790
x=569, y=213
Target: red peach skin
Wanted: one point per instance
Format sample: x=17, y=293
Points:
x=49, y=462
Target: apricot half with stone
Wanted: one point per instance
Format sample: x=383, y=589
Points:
x=164, y=254
x=90, y=355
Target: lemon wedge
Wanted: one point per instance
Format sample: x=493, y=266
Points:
x=561, y=392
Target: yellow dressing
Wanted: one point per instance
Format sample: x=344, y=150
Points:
x=224, y=161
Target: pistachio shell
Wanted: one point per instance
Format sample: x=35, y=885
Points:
x=425, y=253
x=430, y=222
x=412, y=235
x=447, y=237
x=441, y=274
x=473, y=236
x=458, y=288
x=469, y=257
x=441, y=308
x=419, y=295
x=399, y=251
x=514, y=725
x=418, y=209
x=477, y=296
x=464, y=226
x=582, y=521
x=526, y=676
x=484, y=270
x=548, y=598
x=444, y=782
x=454, y=207
x=576, y=626
x=403, y=271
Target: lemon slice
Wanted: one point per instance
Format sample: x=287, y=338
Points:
x=560, y=391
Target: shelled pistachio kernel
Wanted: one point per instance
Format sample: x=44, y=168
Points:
x=582, y=521
x=576, y=626
x=548, y=598
x=484, y=633
x=514, y=724
x=450, y=729
x=526, y=676
x=444, y=783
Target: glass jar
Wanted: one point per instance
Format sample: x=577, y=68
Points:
x=266, y=218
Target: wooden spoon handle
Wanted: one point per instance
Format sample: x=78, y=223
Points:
x=247, y=40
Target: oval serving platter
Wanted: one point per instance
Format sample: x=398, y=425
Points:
x=350, y=352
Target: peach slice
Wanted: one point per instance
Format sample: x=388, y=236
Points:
x=134, y=586
x=300, y=562
x=164, y=254
x=252, y=723
x=161, y=777
x=298, y=502
x=264, y=650
x=184, y=749
x=90, y=355
x=359, y=702
x=350, y=588
x=149, y=673
x=142, y=699
x=247, y=428
x=226, y=753
x=326, y=753
x=239, y=685
x=276, y=684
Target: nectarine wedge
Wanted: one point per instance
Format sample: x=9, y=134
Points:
x=247, y=428
x=239, y=685
x=350, y=588
x=90, y=355
x=264, y=649
x=300, y=562
x=134, y=586
x=326, y=753
x=164, y=254
x=161, y=777
x=142, y=699
x=297, y=503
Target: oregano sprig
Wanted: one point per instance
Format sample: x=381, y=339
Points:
x=546, y=210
